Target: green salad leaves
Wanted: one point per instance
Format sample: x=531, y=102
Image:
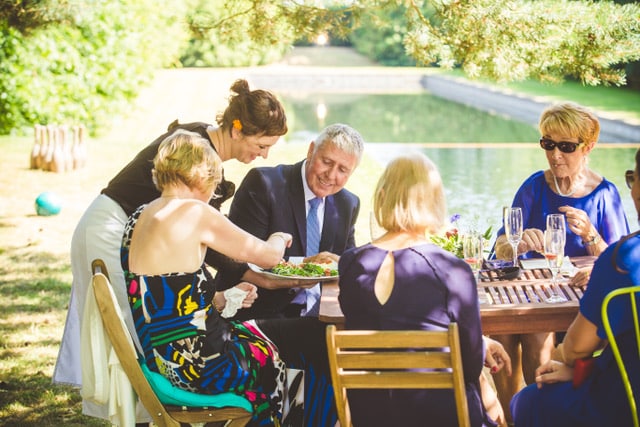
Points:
x=305, y=269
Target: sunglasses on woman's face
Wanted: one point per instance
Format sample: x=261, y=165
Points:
x=564, y=146
x=629, y=178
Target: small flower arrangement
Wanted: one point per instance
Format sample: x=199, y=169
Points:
x=237, y=125
x=451, y=241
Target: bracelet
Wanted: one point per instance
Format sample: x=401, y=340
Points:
x=280, y=236
x=594, y=241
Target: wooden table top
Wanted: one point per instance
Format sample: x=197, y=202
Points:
x=506, y=306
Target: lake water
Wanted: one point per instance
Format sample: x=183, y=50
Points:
x=483, y=158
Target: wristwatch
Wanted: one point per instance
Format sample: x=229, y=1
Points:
x=593, y=241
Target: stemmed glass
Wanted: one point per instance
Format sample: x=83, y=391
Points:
x=557, y=221
x=554, y=253
x=472, y=252
x=513, y=229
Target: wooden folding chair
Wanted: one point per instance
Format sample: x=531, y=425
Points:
x=162, y=414
x=380, y=360
x=632, y=292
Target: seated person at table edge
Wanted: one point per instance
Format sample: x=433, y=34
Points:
x=180, y=316
x=600, y=399
x=594, y=219
x=276, y=198
x=402, y=280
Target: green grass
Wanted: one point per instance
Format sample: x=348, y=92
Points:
x=621, y=102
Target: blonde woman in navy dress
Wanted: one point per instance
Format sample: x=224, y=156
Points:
x=403, y=281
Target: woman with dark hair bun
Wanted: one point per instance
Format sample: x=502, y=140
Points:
x=251, y=124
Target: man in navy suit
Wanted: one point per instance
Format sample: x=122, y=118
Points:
x=277, y=199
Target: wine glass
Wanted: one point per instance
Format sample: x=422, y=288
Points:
x=557, y=221
x=472, y=252
x=554, y=253
x=513, y=230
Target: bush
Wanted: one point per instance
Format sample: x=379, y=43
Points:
x=85, y=66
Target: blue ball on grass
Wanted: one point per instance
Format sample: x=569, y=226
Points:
x=48, y=203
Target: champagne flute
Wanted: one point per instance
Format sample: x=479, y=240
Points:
x=554, y=253
x=513, y=230
x=557, y=221
x=472, y=252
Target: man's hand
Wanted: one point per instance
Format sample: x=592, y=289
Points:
x=322, y=258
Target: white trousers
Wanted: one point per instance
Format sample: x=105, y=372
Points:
x=97, y=235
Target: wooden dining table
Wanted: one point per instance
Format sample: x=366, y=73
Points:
x=515, y=306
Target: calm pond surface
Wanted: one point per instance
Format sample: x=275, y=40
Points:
x=483, y=158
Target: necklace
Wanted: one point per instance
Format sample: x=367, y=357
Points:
x=569, y=194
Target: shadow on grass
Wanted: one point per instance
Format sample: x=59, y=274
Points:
x=34, y=295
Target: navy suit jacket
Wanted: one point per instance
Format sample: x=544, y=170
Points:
x=271, y=199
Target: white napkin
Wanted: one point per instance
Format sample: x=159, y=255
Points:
x=567, y=269
x=234, y=298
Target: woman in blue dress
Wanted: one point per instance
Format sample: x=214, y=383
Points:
x=402, y=280
x=600, y=400
x=594, y=215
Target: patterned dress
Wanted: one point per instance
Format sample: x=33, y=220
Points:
x=185, y=339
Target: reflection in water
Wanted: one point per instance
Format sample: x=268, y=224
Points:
x=480, y=177
x=406, y=118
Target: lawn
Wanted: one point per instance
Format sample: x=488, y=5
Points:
x=35, y=275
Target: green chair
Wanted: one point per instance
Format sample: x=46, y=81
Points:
x=631, y=292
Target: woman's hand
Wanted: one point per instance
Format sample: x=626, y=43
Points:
x=252, y=293
x=553, y=372
x=578, y=221
x=496, y=357
x=286, y=238
x=581, y=278
x=532, y=240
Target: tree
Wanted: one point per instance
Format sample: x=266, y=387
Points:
x=496, y=39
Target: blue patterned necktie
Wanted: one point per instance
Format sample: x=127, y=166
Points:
x=313, y=247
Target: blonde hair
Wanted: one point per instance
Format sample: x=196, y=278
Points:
x=188, y=158
x=569, y=118
x=409, y=196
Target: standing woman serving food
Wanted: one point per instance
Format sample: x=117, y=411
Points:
x=251, y=124
x=591, y=204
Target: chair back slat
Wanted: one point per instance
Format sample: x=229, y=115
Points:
x=396, y=360
x=632, y=292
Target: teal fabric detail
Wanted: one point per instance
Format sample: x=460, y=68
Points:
x=169, y=394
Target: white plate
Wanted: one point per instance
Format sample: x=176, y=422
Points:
x=318, y=279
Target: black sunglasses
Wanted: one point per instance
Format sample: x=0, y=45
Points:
x=629, y=178
x=564, y=146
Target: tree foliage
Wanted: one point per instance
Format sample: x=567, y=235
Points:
x=67, y=61
x=503, y=40
x=84, y=60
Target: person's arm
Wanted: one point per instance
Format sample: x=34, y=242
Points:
x=220, y=234
x=580, y=341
